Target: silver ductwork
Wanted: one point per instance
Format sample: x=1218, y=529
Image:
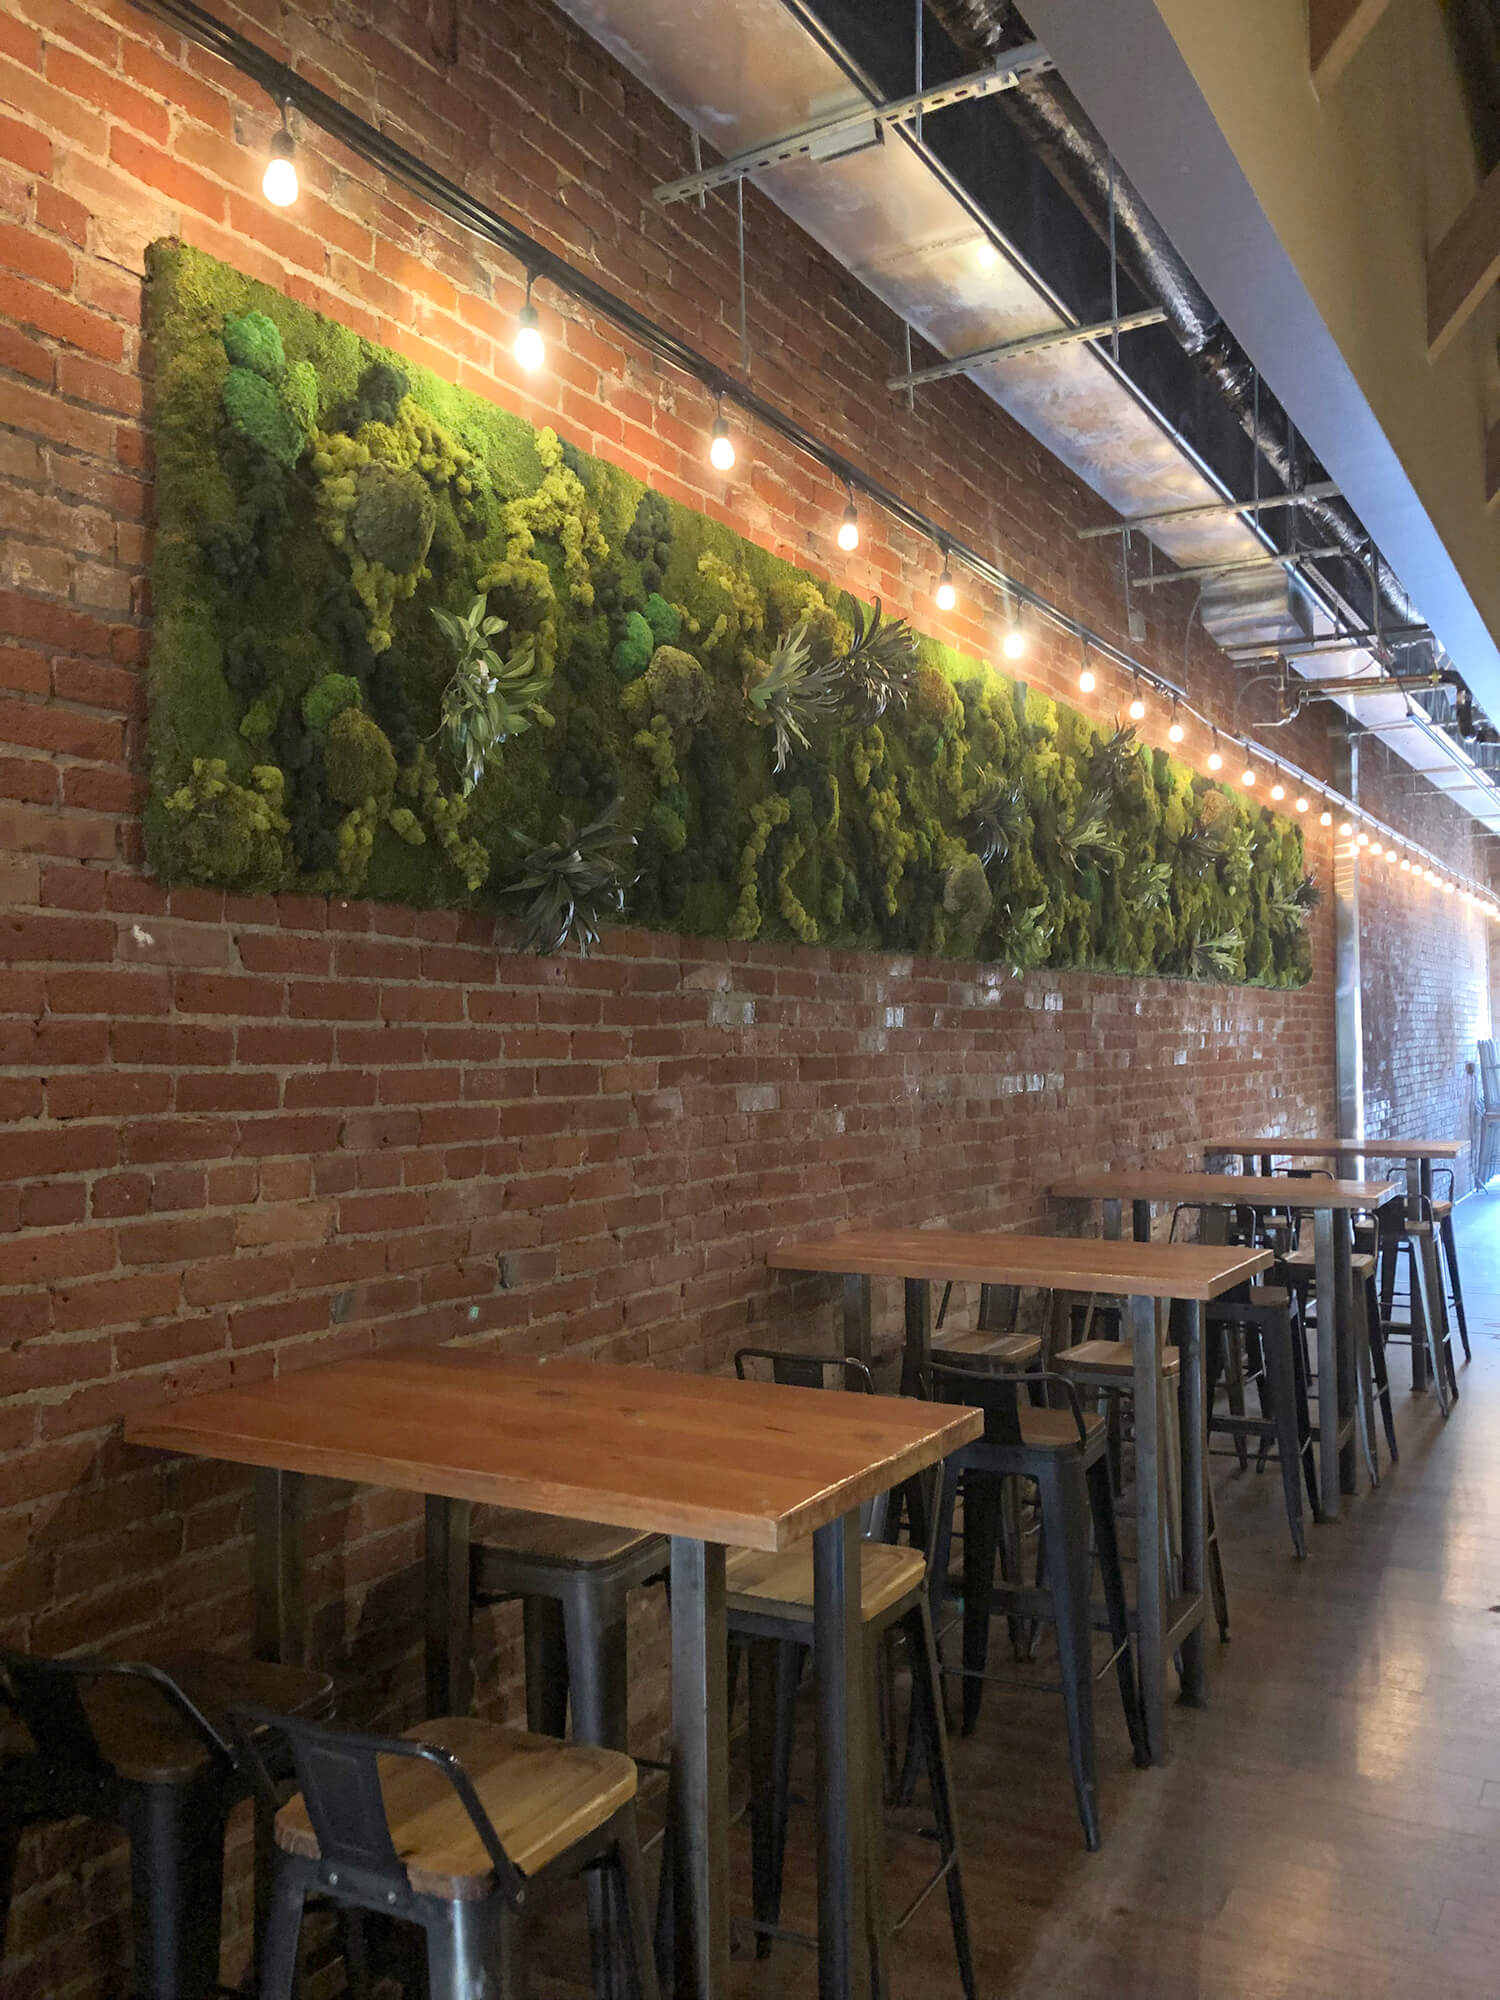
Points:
x=1060, y=131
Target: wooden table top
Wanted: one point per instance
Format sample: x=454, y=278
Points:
x=997, y=1257
x=1218, y=1190
x=1323, y=1149
x=750, y=1463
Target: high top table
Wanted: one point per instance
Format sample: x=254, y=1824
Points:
x=1144, y=1273
x=1332, y=1204
x=707, y=1461
x=1416, y=1155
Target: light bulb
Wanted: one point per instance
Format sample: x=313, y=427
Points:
x=1346, y=827
x=1363, y=839
x=1278, y=790
x=279, y=182
x=1448, y=888
x=1175, y=730
x=1138, y=705
x=721, y=447
x=1215, y=757
x=1086, y=681
x=947, y=596
x=529, y=349
x=1303, y=802
x=987, y=256
x=1325, y=817
x=1247, y=776
x=1013, y=645
x=849, y=528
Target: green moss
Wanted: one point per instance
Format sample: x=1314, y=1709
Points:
x=253, y=341
x=317, y=500
x=360, y=763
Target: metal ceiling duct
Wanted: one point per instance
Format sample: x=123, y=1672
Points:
x=1061, y=131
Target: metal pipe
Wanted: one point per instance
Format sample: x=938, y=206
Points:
x=1322, y=489
x=1030, y=343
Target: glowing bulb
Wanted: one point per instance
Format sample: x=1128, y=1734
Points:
x=849, y=528
x=1138, y=705
x=1247, y=776
x=1278, y=790
x=986, y=256
x=1346, y=827
x=1303, y=802
x=1363, y=839
x=1325, y=817
x=1013, y=645
x=530, y=349
x=1086, y=681
x=721, y=447
x=947, y=596
x=1215, y=759
x=1175, y=730
x=279, y=182
x=1448, y=888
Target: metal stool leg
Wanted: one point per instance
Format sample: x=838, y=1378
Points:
x=597, y=1677
x=1277, y=1360
x=1112, y=1575
x=981, y=1543
x=546, y=1667
x=638, y=1915
x=1378, y=1368
x=278, y=1976
x=928, y=1704
x=774, y=1669
x=176, y=1837
x=1455, y=1283
x=1065, y=1510
x=474, y=1952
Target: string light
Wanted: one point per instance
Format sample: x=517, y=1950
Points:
x=1363, y=839
x=529, y=348
x=1278, y=790
x=1346, y=827
x=1175, y=730
x=848, y=537
x=1137, y=701
x=1086, y=681
x=1405, y=864
x=1303, y=802
x=1215, y=757
x=279, y=182
x=1247, y=776
x=720, y=444
x=1325, y=817
x=1013, y=645
x=1449, y=887
x=947, y=595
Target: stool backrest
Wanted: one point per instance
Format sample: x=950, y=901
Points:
x=338, y=1773
x=812, y=1371
x=47, y=1697
x=999, y=1397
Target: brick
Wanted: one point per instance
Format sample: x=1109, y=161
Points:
x=33, y=306
x=180, y=184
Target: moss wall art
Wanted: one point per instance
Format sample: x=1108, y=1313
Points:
x=408, y=647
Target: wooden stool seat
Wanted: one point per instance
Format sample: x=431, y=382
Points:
x=542, y=1796
x=508, y=1531
x=149, y=1742
x=994, y=1350
x=755, y=1579
x=1055, y=1430
x=1269, y=1295
x=1361, y=1262
x=1441, y=1210
x=1114, y=1358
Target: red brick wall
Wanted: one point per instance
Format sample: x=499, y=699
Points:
x=245, y=1134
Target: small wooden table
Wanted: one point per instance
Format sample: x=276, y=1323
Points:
x=1144, y=1273
x=1416, y=1155
x=707, y=1461
x=1332, y=1203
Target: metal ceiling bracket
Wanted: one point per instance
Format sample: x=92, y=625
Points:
x=1318, y=489
x=1233, y=568
x=1031, y=343
x=826, y=138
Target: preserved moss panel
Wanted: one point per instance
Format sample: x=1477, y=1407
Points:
x=605, y=664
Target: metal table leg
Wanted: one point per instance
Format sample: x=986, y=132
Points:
x=916, y=1360
x=1140, y=1221
x=858, y=1334
x=846, y=1912
x=446, y=1608
x=699, y=1796
x=1111, y=1223
x=280, y=1600
x=1193, y=1425
x=1331, y=1406
x=1151, y=1574
x=1418, y=1184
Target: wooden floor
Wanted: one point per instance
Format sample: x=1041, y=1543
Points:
x=1328, y=1827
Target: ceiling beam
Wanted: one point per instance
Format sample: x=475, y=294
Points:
x=1335, y=30
x=1464, y=266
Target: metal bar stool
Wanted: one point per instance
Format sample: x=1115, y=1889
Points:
x=453, y=1827
x=149, y=1749
x=1442, y=1216
x=1397, y=1235
x=1065, y=1453
x=770, y=1604
x=573, y=1579
x=1262, y=1317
